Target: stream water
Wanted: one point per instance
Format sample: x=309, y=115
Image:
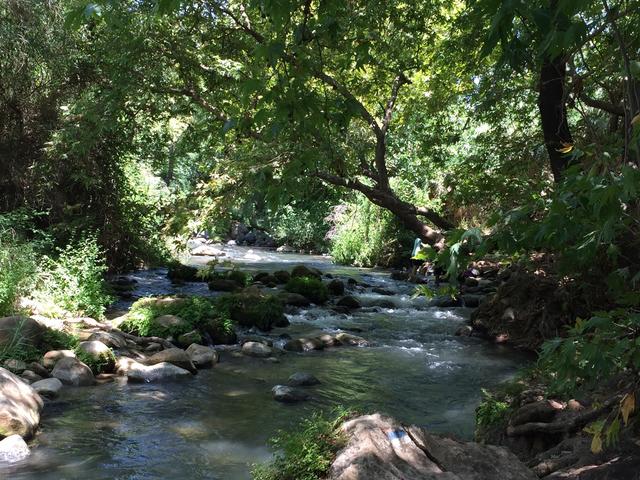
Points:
x=216, y=424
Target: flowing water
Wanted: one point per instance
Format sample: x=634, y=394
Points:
x=216, y=424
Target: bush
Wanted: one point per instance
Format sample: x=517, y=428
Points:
x=197, y=312
x=253, y=310
x=367, y=236
x=20, y=349
x=74, y=281
x=307, y=452
x=491, y=410
x=17, y=272
x=312, y=288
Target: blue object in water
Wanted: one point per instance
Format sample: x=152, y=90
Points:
x=417, y=244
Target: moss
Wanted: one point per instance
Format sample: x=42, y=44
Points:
x=307, y=452
x=312, y=288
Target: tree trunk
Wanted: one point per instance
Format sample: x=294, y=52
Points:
x=553, y=113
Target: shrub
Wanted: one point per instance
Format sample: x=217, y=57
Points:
x=312, y=288
x=253, y=310
x=17, y=272
x=20, y=349
x=307, y=452
x=197, y=313
x=491, y=410
x=73, y=282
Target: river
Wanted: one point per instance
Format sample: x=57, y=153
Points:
x=216, y=424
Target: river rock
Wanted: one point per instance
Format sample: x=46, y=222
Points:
x=207, y=250
x=223, y=285
x=353, y=340
x=294, y=299
x=304, y=271
x=379, y=448
x=16, y=366
x=381, y=291
x=282, y=276
x=301, y=379
x=202, y=356
x=30, y=376
x=98, y=351
x=329, y=340
x=464, y=331
x=304, y=345
x=256, y=349
x=50, y=358
x=471, y=301
x=165, y=371
x=336, y=287
x=285, y=394
x=110, y=339
x=175, y=356
x=445, y=301
x=285, y=249
x=169, y=321
x=13, y=449
x=27, y=330
x=71, y=371
x=188, y=338
x=20, y=406
x=349, y=302
x=48, y=388
x=471, y=282
x=39, y=369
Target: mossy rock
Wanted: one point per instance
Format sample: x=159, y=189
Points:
x=183, y=273
x=252, y=309
x=304, y=271
x=311, y=287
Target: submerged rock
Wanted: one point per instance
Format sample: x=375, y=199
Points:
x=285, y=394
x=353, y=340
x=13, y=449
x=379, y=448
x=20, y=406
x=72, y=371
x=301, y=379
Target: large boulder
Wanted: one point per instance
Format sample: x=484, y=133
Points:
x=304, y=344
x=256, y=349
x=160, y=372
x=48, y=387
x=202, y=356
x=207, y=250
x=294, y=299
x=381, y=448
x=13, y=449
x=282, y=276
x=175, y=356
x=72, y=371
x=23, y=329
x=223, y=285
x=20, y=406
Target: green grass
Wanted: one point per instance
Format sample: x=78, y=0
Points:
x=305, y=453
x=312, y=288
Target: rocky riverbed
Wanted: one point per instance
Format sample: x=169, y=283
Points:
x=371, y=346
